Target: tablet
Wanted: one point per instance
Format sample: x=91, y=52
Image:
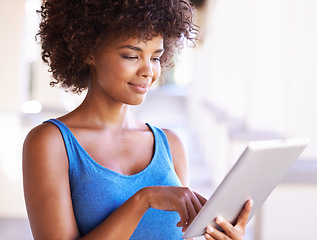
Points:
x=257, y=172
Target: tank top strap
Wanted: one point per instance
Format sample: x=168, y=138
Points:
x=71, y=148
x=162, y=141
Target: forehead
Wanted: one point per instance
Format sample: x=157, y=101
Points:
x=153, y=44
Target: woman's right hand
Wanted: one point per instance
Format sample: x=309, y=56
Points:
x=180, y=199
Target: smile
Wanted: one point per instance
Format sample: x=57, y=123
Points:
x=140, y=88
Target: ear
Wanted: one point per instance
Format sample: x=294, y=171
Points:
x=90, y=60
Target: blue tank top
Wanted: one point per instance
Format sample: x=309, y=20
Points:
x=97, y=191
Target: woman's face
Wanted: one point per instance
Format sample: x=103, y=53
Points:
x=124, y=71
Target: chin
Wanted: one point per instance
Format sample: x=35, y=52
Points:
x=136, y=101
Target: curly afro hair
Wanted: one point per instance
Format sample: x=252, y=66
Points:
x=72, y=30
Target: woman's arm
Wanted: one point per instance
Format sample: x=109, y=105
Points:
x=46, y=185
x=48, y=200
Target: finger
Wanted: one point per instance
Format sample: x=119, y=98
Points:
x=191, y=213
x=188, y=211
x=215, y=234
x=183, y=213
x=201, y=199
x=208, y=237
x=228, y=228
x=193, y=207
x=244, y=215
x=197, y=202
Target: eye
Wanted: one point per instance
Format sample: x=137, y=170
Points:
x=131, y=58
x=157, y=59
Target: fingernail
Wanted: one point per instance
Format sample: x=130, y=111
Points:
x=210, y=229
x=219, y=219
x=206, y=236
x=251, y=202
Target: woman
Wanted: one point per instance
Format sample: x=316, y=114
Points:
x=97, y=172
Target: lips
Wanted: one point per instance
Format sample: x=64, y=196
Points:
x=140, y=88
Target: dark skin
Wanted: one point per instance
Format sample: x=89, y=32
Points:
x=120, y=76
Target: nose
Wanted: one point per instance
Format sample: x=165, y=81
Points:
x=146, y=68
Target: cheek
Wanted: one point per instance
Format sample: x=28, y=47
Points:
x=157, y=72
x=112, y=71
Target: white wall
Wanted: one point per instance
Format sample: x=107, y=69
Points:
x=18, y=24
x=257, y=68
x=11, y=25
x=289, y=213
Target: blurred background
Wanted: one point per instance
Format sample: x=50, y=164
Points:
x=252, y=76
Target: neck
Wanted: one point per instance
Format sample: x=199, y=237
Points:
x=105, y=114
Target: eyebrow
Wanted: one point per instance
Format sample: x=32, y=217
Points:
x=138, y=49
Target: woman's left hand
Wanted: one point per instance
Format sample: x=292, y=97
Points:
x=229, y=231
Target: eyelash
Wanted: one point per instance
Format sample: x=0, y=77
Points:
x=129, y=58
x=157, y=59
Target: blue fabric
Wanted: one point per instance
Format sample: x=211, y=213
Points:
x=97, y=191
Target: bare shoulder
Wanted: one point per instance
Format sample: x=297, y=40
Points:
x=43, y=149
x=44, y=152
x=43, y=139
x=179, y=156
x=175, y=142
x=43, y=132
x=172, y=136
